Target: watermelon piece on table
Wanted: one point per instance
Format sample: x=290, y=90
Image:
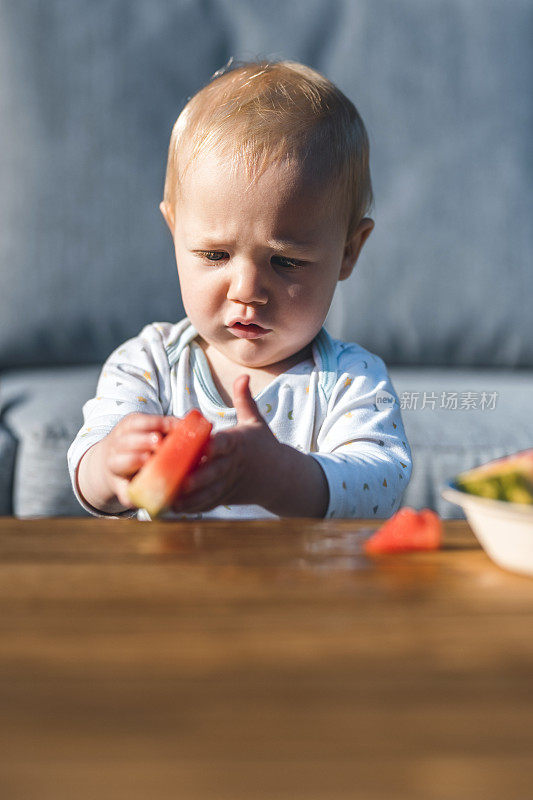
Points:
x=406, y=531
x=158, y=482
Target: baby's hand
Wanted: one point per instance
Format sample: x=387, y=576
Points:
x=128, y=446
x=237, y=462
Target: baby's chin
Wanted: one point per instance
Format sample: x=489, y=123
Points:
x=269, y=360
x=251, y=354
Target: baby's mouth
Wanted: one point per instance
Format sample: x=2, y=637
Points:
x=250, y=327
x=248, y=331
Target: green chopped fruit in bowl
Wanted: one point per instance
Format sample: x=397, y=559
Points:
x=509, y=478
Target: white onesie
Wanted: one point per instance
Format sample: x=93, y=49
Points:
x=339, y=406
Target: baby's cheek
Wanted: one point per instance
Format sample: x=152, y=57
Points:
x=202, y=305
x=307, y=298
x=306, y=308
x=297, y=292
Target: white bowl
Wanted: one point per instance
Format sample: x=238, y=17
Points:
x=504, y=530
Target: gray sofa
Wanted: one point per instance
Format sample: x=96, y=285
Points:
x=442, y=292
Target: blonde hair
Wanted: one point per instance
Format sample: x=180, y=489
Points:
x=260, y=112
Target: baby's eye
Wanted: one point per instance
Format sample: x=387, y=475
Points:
x=214, y=255
x=288, y=262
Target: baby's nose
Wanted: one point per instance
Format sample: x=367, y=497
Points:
x=247, y=283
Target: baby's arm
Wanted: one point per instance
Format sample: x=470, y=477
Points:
x=362, y=445
x=295, y=484
x=130, y=406
x=304, y=492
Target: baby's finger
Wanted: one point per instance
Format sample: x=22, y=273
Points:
x=147, y=422
x=203, y=500
x=122, y=493
x=126, y=464
x=220, y=444
x=205, y=475
x=133, y=442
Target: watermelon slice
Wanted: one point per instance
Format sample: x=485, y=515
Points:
x=509, y=478
x=406, y=531
x=159, y=481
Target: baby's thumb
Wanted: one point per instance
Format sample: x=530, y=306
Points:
x=243, y=401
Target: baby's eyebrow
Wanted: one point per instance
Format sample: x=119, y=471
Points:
x=290, y=244
x=210, y=242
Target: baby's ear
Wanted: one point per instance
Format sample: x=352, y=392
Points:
x=353, y=247
x=168, y=215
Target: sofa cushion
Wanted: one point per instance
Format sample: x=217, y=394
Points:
x=8, y=448
x=89, y=93
x=43, y=413
x=457, y=419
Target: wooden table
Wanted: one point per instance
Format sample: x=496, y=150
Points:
x=227, y=660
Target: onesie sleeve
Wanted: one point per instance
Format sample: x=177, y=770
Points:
x=134, y=378
x=361, y=445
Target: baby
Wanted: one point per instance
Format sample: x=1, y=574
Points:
x=266, y=194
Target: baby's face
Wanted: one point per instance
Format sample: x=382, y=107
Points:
x=271, y=256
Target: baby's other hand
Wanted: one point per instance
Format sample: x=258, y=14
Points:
x=128, y=446
x=237, y=460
